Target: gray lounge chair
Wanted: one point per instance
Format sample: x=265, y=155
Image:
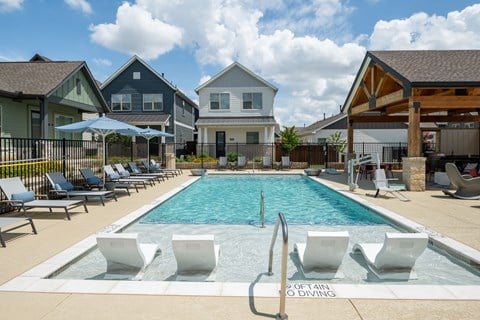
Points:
x=115, y=177
x=155, y=169
x=286, y=164
x=94, y=182
x=62, y=187
x=467, y=188
x=13, y=224
x=124, y=173
x=267, y=162
x=135, y=170
x=158, y=166
x=19, y=197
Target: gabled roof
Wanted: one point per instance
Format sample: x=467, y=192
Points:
x=40, y=77
x=136, y=58
x=423, y=68
x=319, y=125
x=230, y=67
x=35, y=78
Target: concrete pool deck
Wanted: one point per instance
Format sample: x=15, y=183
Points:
x=457, y=219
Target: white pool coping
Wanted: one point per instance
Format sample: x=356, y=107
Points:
x=35, y=280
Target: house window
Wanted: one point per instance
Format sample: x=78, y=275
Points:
x=252, y=100
x=252, y=138
x=121, y=102
x=136, y=76
x=61, y=120
x=153, y=102
x=321, y=140
x=79, y=86
x=183, y=106
x=219, y=101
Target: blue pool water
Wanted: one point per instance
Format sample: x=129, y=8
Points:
x=228, y=208
x=236, y=200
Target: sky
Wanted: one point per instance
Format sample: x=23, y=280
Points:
x=311, y=50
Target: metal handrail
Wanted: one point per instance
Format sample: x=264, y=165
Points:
x=283, y=286
x=262, y=209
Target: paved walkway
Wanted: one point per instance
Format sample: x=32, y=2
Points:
x=458, y=219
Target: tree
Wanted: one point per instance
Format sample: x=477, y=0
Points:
x=338, y=144
x=290, y=139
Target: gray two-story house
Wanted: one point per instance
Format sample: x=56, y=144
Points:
x=140, y=96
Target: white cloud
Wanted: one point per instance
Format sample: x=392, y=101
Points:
x=135, y=31
x=102, y=62
x=10, y=5
x=458, y=30
x=284, y=41
x=82, y=5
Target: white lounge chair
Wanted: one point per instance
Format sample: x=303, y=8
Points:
x=196, y=255
x=19, y=197
x=123, y=252
x=382, y=184
x=241, y=162
x=267, y=162
x=222, y=163
x=62, y=187
x=286, y=164
x=395, y=258
x=322, y=254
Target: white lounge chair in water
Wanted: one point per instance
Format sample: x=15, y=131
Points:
x=322, y=254
x=123, y=252
x=395, y=258
x=196, y=256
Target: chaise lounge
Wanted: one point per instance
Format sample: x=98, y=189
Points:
x=62, y=187
x=382, y=184
x=14, y=223
x=196, y=256
x=19, y=197
x=94, y=182
x=395, y=258
x=321, y=256
x=124, y=253
x=468, y=188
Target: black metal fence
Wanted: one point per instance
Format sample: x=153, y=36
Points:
x=30, y=159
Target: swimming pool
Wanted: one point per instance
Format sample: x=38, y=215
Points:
x=244, y=246
x=221, y=199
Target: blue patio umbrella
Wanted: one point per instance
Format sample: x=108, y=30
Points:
x=102, y=126
x=147, y=133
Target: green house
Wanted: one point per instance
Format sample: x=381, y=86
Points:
x=40, y=94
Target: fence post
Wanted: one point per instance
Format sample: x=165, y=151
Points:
x=201, y=154
x=325, y=153
x=64, y=156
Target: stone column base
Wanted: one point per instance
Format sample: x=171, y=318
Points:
x=414, y=173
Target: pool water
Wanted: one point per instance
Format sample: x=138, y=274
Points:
x=236, y=200
x=228, y=208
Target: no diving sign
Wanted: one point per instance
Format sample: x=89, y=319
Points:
x=311, y=290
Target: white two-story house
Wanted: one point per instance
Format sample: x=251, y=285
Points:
x=236, y=108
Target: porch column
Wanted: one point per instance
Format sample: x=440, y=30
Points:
x=163, y=128
x=199, y=135
x=349, y=136
x=414, y=165
x=205, y=135
x=265, y=135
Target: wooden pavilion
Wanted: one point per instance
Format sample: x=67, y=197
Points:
x=415, y=87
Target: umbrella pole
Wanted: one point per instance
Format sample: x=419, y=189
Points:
x=104, y=160
x=148, y=155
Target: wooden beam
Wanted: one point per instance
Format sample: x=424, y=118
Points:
x=386, y=118
x=390, y=98
x=360, y=108
x=379, y=85
x=467, y=102
x=365, y=90
x=349, y=136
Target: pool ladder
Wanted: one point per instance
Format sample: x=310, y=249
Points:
x=283, y=286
